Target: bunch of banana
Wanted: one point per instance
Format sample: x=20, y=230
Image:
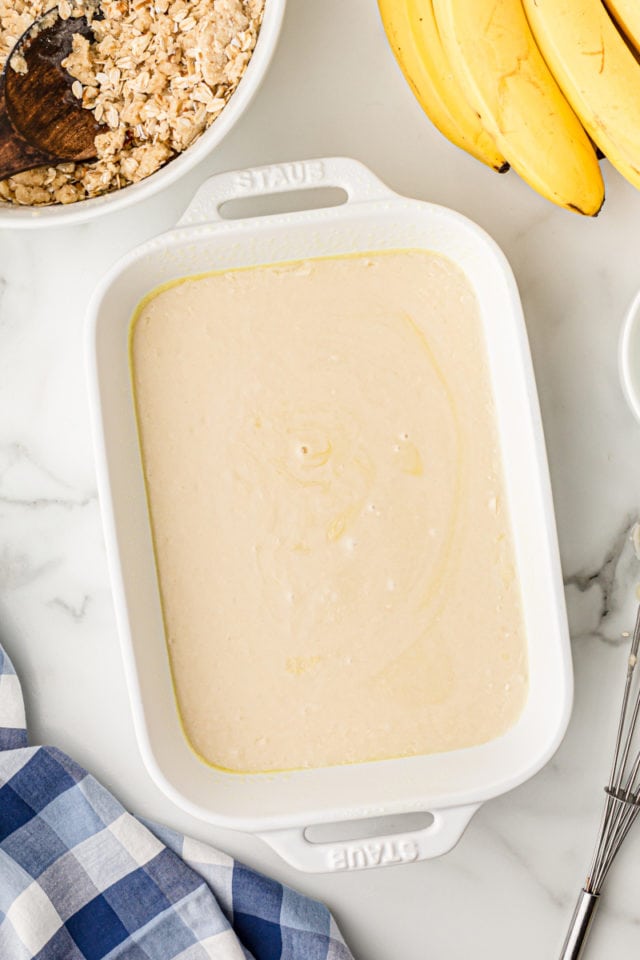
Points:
x=537, y=85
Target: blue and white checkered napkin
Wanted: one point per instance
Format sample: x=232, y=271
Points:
x=82, y=879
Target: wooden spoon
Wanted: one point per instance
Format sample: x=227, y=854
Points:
x=41, y=122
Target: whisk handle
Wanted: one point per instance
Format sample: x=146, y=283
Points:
x=580, y=925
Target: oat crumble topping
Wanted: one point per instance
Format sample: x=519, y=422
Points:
x=157, y=74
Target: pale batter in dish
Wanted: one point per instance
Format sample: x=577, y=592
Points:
x=325, y=489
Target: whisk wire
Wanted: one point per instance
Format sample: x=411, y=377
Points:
x=621, y=806
x=616, y=819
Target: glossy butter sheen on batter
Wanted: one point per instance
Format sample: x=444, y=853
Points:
x=326, y=497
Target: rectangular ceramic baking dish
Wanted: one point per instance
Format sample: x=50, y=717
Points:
x=279, y=807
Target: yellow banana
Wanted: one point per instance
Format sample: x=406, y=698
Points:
x=627, y=15
x=498, y=64
x=597, y=72
x=413, y=37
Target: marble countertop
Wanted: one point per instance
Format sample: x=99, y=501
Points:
x=509, y=886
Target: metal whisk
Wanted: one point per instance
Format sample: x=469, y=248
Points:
x=622, y=806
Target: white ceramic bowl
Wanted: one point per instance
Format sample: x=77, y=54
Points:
x=280, y=806
x=63, y=215
x=629, y=357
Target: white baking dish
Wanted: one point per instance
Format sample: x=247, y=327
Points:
x=279, y=806
x=12, y=215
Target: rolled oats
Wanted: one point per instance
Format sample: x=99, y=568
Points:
x=156, y=75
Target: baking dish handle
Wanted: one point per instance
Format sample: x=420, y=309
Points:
x=353, y=177
x=439, y=837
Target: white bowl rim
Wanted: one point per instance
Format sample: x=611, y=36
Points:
x=629, y=380
x=24, y=217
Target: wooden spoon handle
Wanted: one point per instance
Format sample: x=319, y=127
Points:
x=16, y=154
